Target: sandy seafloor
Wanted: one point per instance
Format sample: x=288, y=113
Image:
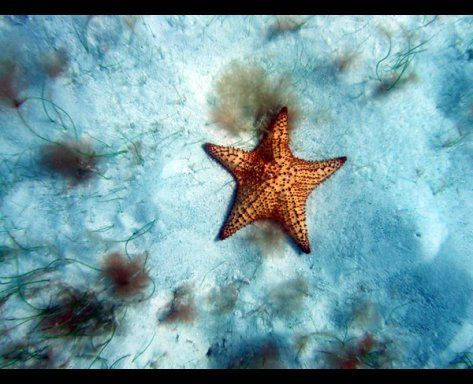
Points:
x=390, y=232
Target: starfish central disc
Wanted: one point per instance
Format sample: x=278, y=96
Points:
x=272, y=183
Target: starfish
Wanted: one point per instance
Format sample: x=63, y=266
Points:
x=272, y=184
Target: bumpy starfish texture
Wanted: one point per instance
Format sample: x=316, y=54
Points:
x=272, y=183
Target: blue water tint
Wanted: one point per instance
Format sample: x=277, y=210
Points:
x=126, y=104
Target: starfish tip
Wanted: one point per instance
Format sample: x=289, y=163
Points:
x=342, y=159
x=209, y=148
x=223, y=235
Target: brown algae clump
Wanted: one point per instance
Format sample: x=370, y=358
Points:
x=75, y=161
x=128, y=277
x=247, y=98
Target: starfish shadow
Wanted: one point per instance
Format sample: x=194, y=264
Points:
x=227, y=214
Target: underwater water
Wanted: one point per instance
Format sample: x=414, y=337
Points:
x=111, y=208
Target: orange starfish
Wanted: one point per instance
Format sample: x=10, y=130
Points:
x=272, y=183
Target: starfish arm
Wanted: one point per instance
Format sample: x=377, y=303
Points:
x=275, y=144
x=229, y=157
x=251, y=203
x=315, y=172
x=292, y=217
